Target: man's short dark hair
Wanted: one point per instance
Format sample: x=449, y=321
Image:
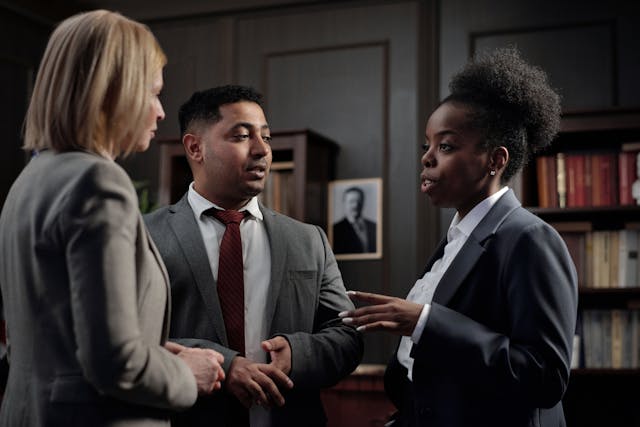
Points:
x=354, y=190
x=204, y=106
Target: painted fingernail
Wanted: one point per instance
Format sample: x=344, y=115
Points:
x=351, y=292
x=343, y=314
x=347, y=320
x=361, y=328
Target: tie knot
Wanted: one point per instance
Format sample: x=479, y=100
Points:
x=228, y=216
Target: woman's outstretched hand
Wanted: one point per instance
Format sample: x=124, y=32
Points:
x=383, y=313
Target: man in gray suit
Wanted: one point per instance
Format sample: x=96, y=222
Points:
x=294, y=342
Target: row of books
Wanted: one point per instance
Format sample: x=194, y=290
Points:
x=610, y=339
x=279, y=191
x=575, y=179
x=605, y=259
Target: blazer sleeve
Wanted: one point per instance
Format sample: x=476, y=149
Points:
x=99, y=228
x=332, y=350
x=529, y=358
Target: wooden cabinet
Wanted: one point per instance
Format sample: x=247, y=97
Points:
x=303, y=165
x=603, y=384
x=175, y=174
x=358, y=400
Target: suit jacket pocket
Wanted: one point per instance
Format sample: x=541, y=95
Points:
x=73, y=389
x=298, y=300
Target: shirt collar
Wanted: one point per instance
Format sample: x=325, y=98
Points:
x=467, y=224
x=199, y=204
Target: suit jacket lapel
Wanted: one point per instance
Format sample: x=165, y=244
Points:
x=473, y=248
x=188, y=234
x=278, y=247
x=436, y=256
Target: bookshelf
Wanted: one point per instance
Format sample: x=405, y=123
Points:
x=303, y=165
x=596, y=215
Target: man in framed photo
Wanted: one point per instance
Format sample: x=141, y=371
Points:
x=354, y=233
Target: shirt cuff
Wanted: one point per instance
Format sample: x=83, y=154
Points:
x=422, y=321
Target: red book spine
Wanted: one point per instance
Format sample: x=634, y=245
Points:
x=552, y=181
x=609, y=177
x=614, y=200
x=587, y=182
x=581, y=179
x=571, y=174
x=543, y=187
x=596, y=180
x=626, y=176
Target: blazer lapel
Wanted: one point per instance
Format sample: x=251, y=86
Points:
x=184, y=224
x=474, y=247
x=436, y=256
x=278, y=247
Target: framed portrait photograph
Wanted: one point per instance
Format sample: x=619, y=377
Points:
x=355, y=218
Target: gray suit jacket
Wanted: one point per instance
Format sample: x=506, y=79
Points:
x=86, y=301
x=306, y=293
x=496, y=347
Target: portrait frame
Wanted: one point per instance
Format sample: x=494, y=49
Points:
x=342, y=242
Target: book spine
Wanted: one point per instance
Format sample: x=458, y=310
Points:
x=587, y=338
x=614, y=258
x=626, y=176
x=561, y=180
x=596, y=180
x=616, y=339
x=581, y=180
x=588, y=181
x=606, y=339
x=543, y=185
x=609, y=175
x=588, y=256
x=571, y=173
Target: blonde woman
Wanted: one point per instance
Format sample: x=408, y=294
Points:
x=85, y=293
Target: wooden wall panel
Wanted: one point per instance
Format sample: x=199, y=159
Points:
x=198, y=52
x=574, y=56
x=308, y=91
x=13, y=105
x=22, y=41
x=350, y=73
x=573, y=43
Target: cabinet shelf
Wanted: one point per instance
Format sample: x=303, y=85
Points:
x=604, y=372
x=609, y=120
x=605, y=217
x=610, y=298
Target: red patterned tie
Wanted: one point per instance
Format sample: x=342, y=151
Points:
x=231, y=277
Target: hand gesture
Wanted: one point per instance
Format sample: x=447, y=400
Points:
x=395, y=315
x=257, y=383
x=204, y=363
x=280, y=353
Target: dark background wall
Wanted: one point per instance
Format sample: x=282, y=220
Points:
x=363, y=73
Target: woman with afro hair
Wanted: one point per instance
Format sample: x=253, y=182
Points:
x=487, y=329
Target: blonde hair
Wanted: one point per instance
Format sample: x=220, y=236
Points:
x=92, y=90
